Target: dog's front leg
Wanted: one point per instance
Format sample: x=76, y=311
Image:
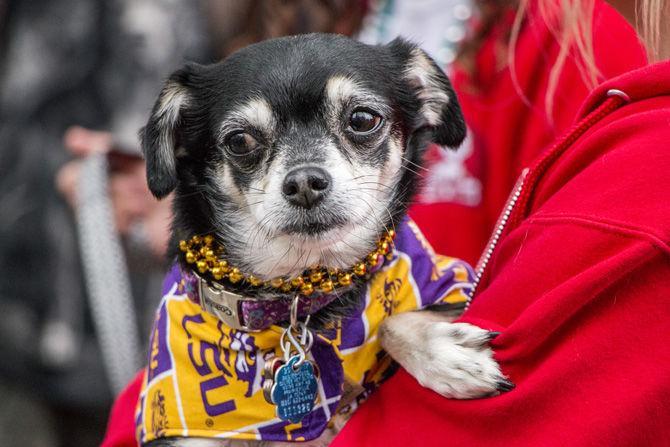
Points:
x=452, y=359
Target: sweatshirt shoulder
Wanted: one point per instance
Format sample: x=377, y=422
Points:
x=618, y=172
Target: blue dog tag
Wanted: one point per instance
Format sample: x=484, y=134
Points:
x=294, y=390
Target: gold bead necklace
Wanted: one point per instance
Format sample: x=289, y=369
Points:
x=206, y=255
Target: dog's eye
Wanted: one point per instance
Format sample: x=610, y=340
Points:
x=362, y=121
x=241, y=143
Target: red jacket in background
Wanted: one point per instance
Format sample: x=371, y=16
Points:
x=465, y=190
x=579, y=286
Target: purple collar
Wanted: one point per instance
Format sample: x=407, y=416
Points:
x=246, y=313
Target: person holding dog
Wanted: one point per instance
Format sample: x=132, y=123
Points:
x=576, y=275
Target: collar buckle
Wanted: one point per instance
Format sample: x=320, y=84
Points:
x=223, y=304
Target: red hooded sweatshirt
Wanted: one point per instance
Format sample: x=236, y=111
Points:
x=579, y=286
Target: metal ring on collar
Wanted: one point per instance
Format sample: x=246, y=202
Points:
x=289, y=343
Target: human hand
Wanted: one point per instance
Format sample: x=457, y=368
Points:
x=131, y=199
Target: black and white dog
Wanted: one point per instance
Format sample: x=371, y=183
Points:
x=299, y=151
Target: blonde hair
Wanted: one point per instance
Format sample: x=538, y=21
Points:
x=653, y=21
x=570, y=22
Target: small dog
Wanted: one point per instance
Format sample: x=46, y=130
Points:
x=297, y=157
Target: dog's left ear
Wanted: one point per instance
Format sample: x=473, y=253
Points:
x=438, y=105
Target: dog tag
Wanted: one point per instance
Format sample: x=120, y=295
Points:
x=294, y=390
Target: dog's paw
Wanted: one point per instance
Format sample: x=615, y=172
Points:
x=452, y=359
x=456, y=361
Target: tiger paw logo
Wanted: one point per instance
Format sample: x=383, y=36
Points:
x=159, y=419
x=245, y=362
x=388, y=297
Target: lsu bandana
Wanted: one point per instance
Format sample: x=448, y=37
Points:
x=204, y=379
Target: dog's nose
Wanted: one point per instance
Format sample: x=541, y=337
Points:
x=306, y=186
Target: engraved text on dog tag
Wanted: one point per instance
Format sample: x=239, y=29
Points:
x=294, y=390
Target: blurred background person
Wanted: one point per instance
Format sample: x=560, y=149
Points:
x=96, y=64
x=68, y=67
x=520, y=82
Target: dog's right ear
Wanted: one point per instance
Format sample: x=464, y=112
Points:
x=161, y=135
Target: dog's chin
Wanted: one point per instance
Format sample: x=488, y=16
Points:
x=299, y=245
x=313, y=228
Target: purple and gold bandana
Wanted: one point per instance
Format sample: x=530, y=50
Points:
x=204, y=379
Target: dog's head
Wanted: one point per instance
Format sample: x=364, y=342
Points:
x=298, y=151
